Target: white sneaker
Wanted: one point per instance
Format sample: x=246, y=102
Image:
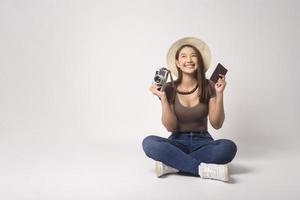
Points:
x=214, y=171
x=162, y=169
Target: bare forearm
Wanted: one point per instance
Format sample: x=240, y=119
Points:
x=168, y=118
x=218, y=114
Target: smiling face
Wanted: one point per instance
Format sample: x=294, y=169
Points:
x=187, y=60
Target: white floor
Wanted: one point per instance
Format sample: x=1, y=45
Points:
x=46, y=167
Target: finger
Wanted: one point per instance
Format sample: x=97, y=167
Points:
x=151, y=88
x=220, y=81
x=222, y=76
x=154, y=86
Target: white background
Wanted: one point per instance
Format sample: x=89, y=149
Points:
x=75, y=105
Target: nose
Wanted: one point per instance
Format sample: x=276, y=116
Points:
x=189, y=58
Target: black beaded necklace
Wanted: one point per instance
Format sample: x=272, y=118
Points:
x=189, y=92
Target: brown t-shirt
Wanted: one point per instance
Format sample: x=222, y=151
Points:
x=189, y=119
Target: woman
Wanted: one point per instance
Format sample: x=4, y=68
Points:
x=186, y=105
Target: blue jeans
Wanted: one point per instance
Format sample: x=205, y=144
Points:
x=185, y=151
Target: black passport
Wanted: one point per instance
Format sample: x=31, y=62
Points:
x=220, y=69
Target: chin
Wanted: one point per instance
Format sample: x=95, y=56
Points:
x=190, y=71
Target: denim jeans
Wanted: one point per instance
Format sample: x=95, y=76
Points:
x=185, y=151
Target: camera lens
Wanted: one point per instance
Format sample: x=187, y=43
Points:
x=157, y=79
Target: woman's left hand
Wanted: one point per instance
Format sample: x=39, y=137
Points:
x=220, y=85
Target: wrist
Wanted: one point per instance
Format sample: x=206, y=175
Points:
x=163, y=98
x=219, y=94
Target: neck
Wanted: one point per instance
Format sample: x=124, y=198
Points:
x=188, y=81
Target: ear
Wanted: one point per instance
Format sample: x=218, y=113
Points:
x=177, y=63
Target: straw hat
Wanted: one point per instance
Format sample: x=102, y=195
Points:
x=199, y=44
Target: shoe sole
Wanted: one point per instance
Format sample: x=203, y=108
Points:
x=158, y=169
x=226, y=174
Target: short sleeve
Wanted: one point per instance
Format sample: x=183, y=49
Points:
x=212, y=90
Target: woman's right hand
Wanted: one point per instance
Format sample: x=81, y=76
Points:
x=155, y=91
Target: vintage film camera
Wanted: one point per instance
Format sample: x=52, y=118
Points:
x=161, y=76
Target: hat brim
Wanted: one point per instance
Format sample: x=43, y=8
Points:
x=199, y=44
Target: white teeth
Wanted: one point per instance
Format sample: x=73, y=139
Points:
x=190, y=66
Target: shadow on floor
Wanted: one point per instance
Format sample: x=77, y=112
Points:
x=236, y=168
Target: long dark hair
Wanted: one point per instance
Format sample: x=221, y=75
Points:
x=204, y=91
